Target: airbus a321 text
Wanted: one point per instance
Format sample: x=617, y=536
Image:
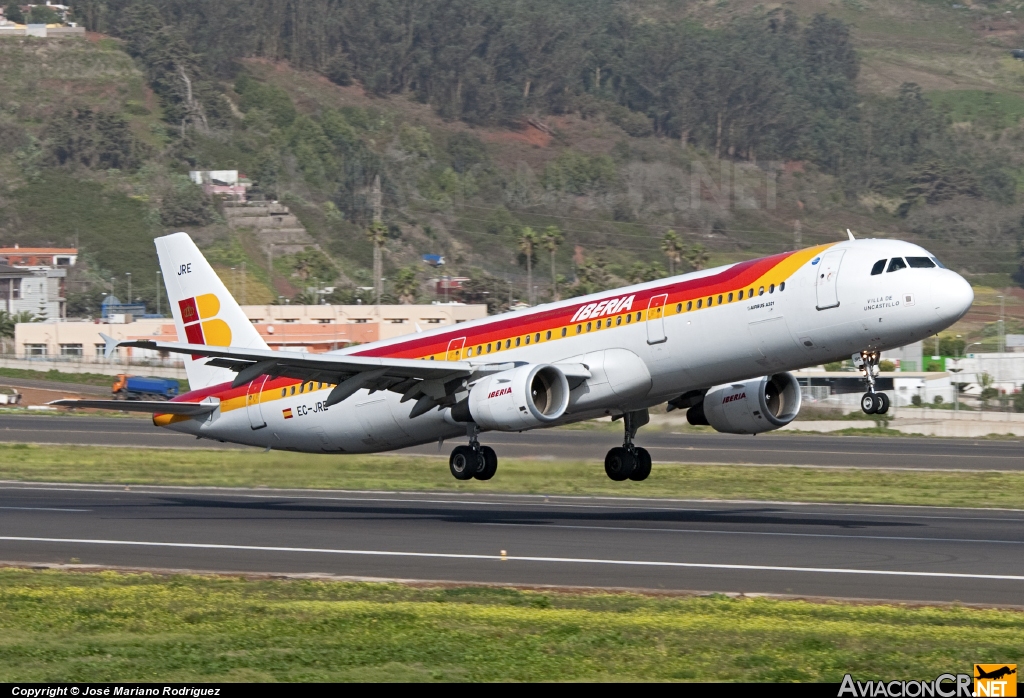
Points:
x=719, y=343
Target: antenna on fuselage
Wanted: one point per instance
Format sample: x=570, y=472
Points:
x=850, y=234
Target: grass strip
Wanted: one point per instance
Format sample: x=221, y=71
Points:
x=90, y=464
x=108, y=626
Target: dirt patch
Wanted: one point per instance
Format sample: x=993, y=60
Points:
x=529, y=134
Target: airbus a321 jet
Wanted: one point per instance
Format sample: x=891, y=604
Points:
x=719, y=343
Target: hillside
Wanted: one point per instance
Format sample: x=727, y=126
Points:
x=735, y=124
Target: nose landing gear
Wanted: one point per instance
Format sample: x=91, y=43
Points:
x=871, y=402
x=474, y=460
x=629, y=462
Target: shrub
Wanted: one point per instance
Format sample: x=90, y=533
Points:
x=339, y=70
x=186, y=204
x=576, y=173
x=272, y=100
x=915, y=400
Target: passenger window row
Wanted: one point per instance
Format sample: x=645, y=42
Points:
x=897, y=263
x=582, y=328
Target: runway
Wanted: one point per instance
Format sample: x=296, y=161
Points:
x=872, y=552
x=592, y=444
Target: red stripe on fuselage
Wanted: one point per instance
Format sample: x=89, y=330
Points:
x=525, y=322
x=734, y=278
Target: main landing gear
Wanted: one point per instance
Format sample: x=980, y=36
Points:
x=871, y=402
x=629, y=462
x=474, y=460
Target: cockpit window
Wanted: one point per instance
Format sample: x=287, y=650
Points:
x=897, y=263
x=879, y=267
x=939, y=264
x=920, y=263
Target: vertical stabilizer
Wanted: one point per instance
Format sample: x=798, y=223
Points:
x=204, y=311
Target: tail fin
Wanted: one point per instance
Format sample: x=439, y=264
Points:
x=204, y=311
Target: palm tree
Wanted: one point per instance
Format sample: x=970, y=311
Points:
x=698, y=257
x=406, y=285
x=552, y=239
x=672, y=246
x=527, y=241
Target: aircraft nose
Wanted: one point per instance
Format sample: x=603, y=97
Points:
x=953, y=297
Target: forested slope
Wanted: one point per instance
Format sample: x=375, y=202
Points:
x=746, y=130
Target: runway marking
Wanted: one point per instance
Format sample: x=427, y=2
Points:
x=519, y=558
x=630, y=502
x=693, y=449
x=755, y=533
x=43, y=509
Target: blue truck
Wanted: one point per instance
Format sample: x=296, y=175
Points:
x=142, y=388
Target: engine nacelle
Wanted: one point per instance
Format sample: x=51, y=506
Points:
x=521, y=398
x=751, y=407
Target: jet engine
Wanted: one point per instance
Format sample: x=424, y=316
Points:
x=750, y=407
x=521, y=398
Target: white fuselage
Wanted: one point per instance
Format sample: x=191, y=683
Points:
x=641, y=363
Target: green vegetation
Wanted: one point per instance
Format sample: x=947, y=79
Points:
x=610, y=122
x=989, y=111
x=279, y=469
x=71, y=627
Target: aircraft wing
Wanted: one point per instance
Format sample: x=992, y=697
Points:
x=190, y=409
x=431, y=383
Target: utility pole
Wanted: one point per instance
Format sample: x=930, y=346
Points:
x=797, y=235
x=129, y=275
x=270, y=263
x=1002, y=324
x=956, y=385
x=243, y=283
x=158, y=293
x=378, y=241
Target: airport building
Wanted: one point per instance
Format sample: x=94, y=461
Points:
x=312, y=328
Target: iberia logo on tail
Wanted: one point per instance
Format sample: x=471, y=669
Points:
x=201, y=326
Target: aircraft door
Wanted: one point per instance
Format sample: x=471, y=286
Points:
x=826, y=279
x=252, y=403
x=455, y=349
x=656, y=319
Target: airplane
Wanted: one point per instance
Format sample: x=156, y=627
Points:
x=995, y=674
x=720, y=343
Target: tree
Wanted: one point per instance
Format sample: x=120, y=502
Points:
x=406, y=285
x=698, y=257
x=94, y=139
x=41, y=14
x=641, y=273
x=186, y=204
x=527, y=241
x=672, y=246
x=14, y=14
x=314, y=264
x=552, y=239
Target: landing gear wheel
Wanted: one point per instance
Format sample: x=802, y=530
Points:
x=870, y=403
x=643, y=465
x=490, y=459
x=464, y=463
x=883, y=401
x=619, y=463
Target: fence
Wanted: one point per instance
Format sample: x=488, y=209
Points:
x=156, y=366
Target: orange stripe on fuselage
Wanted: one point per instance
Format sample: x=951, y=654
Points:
x=507, y=330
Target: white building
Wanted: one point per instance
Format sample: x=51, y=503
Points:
x=39, y=291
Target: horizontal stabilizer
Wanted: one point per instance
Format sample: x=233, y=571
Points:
x=190, y=409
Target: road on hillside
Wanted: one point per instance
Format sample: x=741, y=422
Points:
x=591, y=444
x=868, y=552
